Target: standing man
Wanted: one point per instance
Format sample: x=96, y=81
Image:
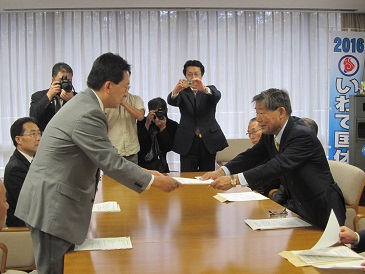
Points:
x=199, y=136
x=156, y=127
x=45, y=103
x=57, y=197
x=291, y=151
x=122, y=130
x=26, y=136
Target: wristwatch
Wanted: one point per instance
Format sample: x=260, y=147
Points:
x=233, y=181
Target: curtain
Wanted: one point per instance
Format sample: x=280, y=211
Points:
x=244, y=52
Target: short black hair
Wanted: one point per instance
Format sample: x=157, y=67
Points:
x=107, y=67
x=274, y=98
x=63, y=67
x=194, y=63
x=17, y=128
x=312, y=124
x=157, y=103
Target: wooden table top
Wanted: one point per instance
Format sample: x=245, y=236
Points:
x=188, y=231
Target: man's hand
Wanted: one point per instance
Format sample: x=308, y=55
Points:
x=166, y=183
x=347, y=236
x=66, y=96
x=54, y=89
x=222, y=183
x=179, y=87
x=213, y=174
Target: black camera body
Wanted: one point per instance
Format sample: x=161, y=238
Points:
x=65, y=84
x=161, y=114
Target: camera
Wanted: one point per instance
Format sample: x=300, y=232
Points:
x=187, y=83
x=160, y=114
x=65, y=84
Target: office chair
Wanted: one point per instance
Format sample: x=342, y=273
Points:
x=351, y=181
x=235, y=146
x=18, y=249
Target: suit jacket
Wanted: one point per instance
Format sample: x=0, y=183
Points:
x=361, y=246
x=15, y=172
x=42, y=108
x=165, y=138
x=302, y=167
x=198, y=112
x=59, y=190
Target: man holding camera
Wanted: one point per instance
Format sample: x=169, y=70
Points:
x=155, y=128
x=199, y=136
x=45, y=103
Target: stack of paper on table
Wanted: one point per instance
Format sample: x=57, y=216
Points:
x=105, y=244
x=276, y=223
x=106, y=207
x=324, y=251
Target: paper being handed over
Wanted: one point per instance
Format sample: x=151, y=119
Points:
x=323, y=251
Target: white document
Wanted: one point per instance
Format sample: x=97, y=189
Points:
x=190, y=181
x=346, y=265
x=105, y=244
x=323, y=250
x=276, y=223
x=106, y=207
x=240, y=197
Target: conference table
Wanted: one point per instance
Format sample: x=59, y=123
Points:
x=188, y=231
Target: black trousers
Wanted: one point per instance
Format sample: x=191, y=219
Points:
x=198, y=158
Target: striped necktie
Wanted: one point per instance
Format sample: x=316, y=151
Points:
x=276, y=144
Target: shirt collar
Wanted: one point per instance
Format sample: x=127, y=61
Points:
x=100, y=102
x=278, y=137
x=29, y=158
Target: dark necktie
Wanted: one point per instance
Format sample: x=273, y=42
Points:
x=57, y=103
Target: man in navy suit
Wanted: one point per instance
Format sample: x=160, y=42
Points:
x=26, y=136
x=45, y=103
x=290, y=151
x=198, y=136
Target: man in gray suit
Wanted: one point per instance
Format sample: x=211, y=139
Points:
x=58, y=193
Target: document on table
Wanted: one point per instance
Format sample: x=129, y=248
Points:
x=106, y=207
x=276, y=223
x=191, y=181
x=105, y=244
x=323, y=251
x=240, y=197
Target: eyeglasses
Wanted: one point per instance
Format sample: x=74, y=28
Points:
x=278, y=214
x=254, y=132
x=33, y=134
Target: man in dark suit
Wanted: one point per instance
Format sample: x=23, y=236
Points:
x=291, y=152
x=155, y=127
x=58, y=193
x=45, y=103
x=26, y=136
x=198, y=136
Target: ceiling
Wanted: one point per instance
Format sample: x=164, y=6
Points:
x=347, y=6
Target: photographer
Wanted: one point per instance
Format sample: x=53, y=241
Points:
x=155, y=125
x=45, y=103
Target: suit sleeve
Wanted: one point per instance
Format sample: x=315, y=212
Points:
x=38, y=105
x=90, y=135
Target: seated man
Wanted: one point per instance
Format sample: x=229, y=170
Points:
x=156, y=126
x=254, y=133
x=291, y=152
x=26, y=136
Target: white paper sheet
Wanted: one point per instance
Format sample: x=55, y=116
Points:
x=276, y=223
x=106, y=207
x=240, y=196
x=346, y=265
x=191, y=181
x=105, y=244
